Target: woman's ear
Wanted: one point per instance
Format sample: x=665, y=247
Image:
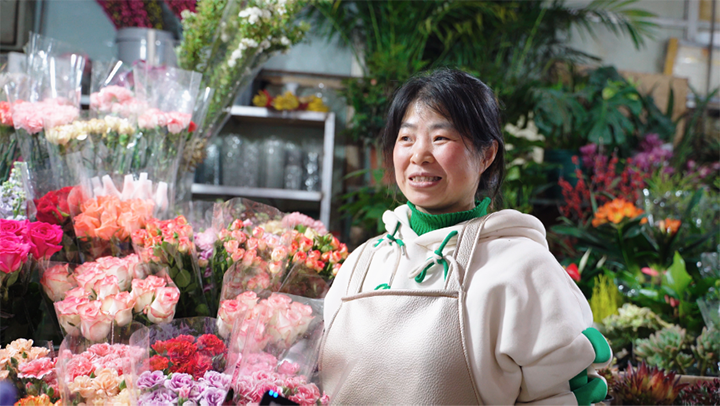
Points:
x=489, y=155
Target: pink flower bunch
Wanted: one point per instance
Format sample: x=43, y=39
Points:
x=295, y=219
x=5, y=114
x=18, y=239
x=277, y=320
x=176, y=232
x=101, y=297
x=100, y=374
x=49, y=113
x=260, y=372
x=323, y=254
x=178, y=6
x=32, y=369
x=174, y=121
x=117, y=100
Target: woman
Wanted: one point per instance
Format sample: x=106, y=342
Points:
x=453, y=305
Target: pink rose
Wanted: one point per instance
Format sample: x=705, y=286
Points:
x=229, y=312
x=107, y=286
x=142, y=293
x=177, y=122
x=13, y=252
x=68, y=314
x=87, y=277
x=279, y=253
x=78, y=292
x=162, y=309
x=116, y=267
x=279, y=301
x=56, y=281
x=37, y=368
x=132, y=263
x=119, y=306
x=19, y=228
x=94, y=323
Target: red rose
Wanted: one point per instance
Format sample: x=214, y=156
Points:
x=160, y=347
x=158, y=363
x=53, y=207
x=45, y=238
x=211, y=345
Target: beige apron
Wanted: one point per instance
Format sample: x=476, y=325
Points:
x=402, y=346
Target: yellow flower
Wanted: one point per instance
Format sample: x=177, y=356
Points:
x=262, y=99
x=316, y=104
x=286, y=101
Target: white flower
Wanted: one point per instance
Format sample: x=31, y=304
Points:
x=265, y=44
x=250, y=43
x=185, y=14
x=253, y=14
x=231, y=63
x=281, y=10
x=285, y=41
x=266, y=15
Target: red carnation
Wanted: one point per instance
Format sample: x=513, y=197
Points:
x=158, y=363
x=572, y=270
x=160, y=347
x=210, y=344
x=202, y=364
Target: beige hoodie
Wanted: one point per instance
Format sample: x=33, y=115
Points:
x=524, y=314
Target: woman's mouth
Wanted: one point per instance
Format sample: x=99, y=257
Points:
x=424, y=179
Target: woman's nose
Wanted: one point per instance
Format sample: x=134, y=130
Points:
x=422, y=152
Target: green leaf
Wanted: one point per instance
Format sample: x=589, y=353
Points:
x=122, y=385
x=183, y=278
x=676, y=276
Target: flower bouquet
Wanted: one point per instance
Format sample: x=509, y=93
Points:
x=245, y=256
x=228, y=40
x=22, y=245
x=30, y=369
x=54, y=208
x=99, y=371
x=187, y=363
x=167, y=245
x=199, y=215
x=276, y=342
x=97, y=296
x=47, y=97
x=8, y=143
x=105, y=218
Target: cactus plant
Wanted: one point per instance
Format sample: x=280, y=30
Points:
x=664, y=349
x=707, y=351
x=646, y=385
x=700, y=393
x=630, y=323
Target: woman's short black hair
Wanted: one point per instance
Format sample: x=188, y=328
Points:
x=468, y=103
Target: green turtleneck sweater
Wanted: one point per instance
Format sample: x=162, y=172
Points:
x=423, y=223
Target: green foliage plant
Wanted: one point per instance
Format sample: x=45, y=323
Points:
x=605, y=299
x=630, y=323
x=666, y=349
x=707, y=351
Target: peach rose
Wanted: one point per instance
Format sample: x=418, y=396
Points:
x=128, y=222
x=108, y=225
x=94, y=323
x=85, y=225
x=162, y=309
x=56, y=281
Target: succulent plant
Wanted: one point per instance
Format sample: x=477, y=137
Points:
x=707, y=351
x=700, y=393
x=630, y=323
x=646, y=385
x=664, y=349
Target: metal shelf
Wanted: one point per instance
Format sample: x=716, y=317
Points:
x=326, y=121
x=288, y=194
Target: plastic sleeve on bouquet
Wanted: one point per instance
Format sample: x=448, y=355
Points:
x=186, y=360
x=276, y=347
x=101, y=370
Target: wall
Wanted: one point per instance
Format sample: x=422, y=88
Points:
x=620, y=51
x=84, y=24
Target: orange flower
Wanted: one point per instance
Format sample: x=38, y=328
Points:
x=615, y=212
x=42, y=400
x=669, y=226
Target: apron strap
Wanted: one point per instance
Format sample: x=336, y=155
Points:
x=464, y=252
x=357, y=278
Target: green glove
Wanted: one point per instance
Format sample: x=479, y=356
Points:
x=594, y=390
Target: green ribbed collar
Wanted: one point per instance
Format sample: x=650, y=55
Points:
x=423, y=223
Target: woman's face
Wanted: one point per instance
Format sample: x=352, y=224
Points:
x=434, y=167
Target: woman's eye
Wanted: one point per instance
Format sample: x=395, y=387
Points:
x=403, y=138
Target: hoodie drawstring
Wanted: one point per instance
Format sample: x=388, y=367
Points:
x=437, y=259
x=389, y=239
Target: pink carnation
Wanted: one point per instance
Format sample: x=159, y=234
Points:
x=37, y=368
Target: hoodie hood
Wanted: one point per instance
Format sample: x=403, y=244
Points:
x=500, y=224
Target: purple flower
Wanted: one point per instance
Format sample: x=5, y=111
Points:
x=159, y=397
x=197, y=391
x=213, y=397
x=180, y=383
x=205, y=240
x=216, y=379
x=149, y=380
x=650, y=142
